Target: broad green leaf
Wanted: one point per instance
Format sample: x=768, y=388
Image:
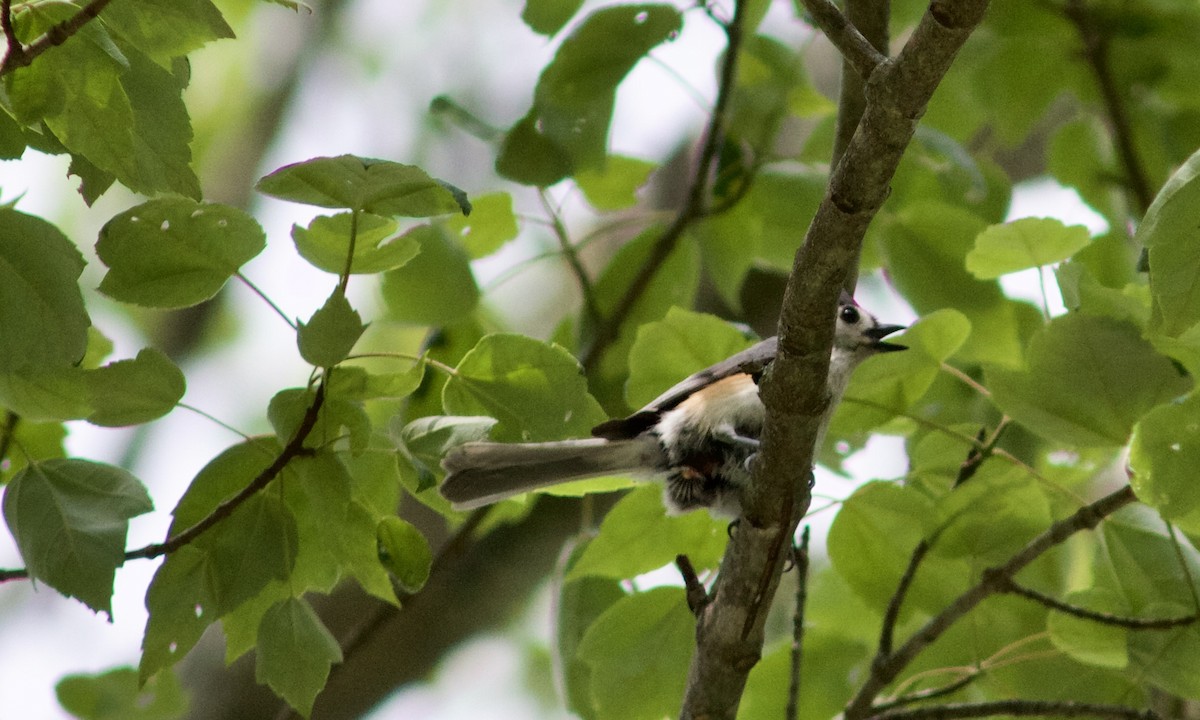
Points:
x=330, y=333
x=326, y=241
x=166, y=29
x=638, y=651
x=490, y=225
x=668, y=350
x=1082, y=292
x=547, y=17
x=69, y=518
x=924, y=246
x=1089, y=379
x=567, y=128
x=162, y=130
x=825, y=677
x=254, y=545
x=350, y=182
x=46, y=394
x=288, y=408
x=1141, y=562
x=37, y=440
x=991, y=517
x=434, y=288
x=536, y=391
x=1164, y=456
x=1168, y=232
x=131, y=392
x=173, y=252
x=614, y=185
x=405, y=552
x=577, y=607
x=1022, y=244
x=638, y=536
x=872, y=538
x=425, y=441
x=12, y=138
x=42, y=317
x=1085, y=640
x=356, y=384
x=180, y=609
x=295, y=652
x=118, y=695
x=768, y=72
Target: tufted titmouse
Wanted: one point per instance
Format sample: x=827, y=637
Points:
x=699, y=435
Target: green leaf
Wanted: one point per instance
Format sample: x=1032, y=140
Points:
x=288, y=408
x=1085, y=640
x=434, y=288
x=830, y=663
x=42, y=317
x=1164, y=455
x=1022, y=244
x=638, y=536
x=166, y=29
x=117, y=695
x=162, y=130
x=429, y=438
x=925, y=246
x=69, y=518
x=991, y=517
x=405, y=552
x=614, y=186
x=547, y=17
x=381, y=187
x=330, y=334
x=256, y=544
x=37, y=440
x=536, y=391
x=1089, y=379
x=638, y=652
x=46, y=394
x=668, y=350
x=1168, y=232
x=326, y=240
x=356, y=384
x=295, y=652
x=131, y=392
x=173, y=252
x=578, y=606
x=872, y=538
x=567, y=128
x=180, y=609
x=490, y=225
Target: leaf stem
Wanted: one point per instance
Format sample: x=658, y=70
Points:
x=571, y=255
x=214, y=419
x=255, y=289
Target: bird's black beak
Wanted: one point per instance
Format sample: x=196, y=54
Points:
x=879, y=332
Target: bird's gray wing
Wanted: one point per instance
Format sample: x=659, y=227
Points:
x=753, y=361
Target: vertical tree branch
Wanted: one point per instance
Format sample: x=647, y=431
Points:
x=793, y=704
x=793, y=389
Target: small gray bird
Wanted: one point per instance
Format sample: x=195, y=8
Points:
x=699, y=436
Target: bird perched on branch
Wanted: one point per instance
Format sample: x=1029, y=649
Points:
x=699, y=436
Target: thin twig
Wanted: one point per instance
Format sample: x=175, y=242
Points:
x=793, y=703
x=891, y=616
x=855, y=48
x=571, y=255
x=887, y=667
x=56, y=35
x=15, y=48
x=694, y=206
x=1011, y=586
x=1018, y=708
x=1096, y=53
x=929, y=694
x=257, y=291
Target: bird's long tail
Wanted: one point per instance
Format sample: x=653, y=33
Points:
x=480, y=473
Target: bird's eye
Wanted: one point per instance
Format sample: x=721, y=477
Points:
x=849, y=314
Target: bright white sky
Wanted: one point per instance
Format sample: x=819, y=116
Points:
x=350, y=107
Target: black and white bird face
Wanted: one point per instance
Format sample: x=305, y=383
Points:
x=859, y=333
